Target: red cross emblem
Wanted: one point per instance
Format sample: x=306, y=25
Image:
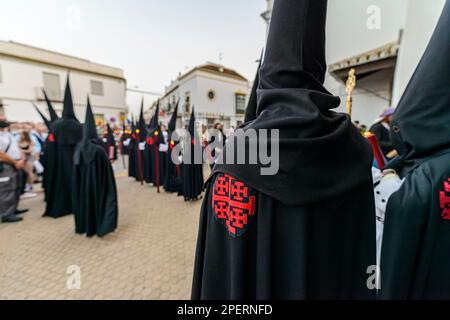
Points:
x=444, y=200
x=233, y=204
x=51, y=137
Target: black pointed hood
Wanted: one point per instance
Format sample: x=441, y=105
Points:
x=155, y=130
x=172, y=126
x=192, y=128
x=315, y=143
x=141, y=124
x=250, y=111
x=154, y=123
x=44, y=118
x=68, y=109
x=51, y=110
x=87, y=148
x=89, y=128
x=421, y=123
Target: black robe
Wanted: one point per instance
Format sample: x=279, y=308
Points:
x=65, y=133
x=415, y=256
x=132, y=156
x=96, y=211
x=95, y=206
x=307, y=232
x=192, y=170
x=63, y=138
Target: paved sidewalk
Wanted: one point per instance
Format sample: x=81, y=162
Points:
x=150, y=256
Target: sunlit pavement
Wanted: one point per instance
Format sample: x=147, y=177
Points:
x=150, y=256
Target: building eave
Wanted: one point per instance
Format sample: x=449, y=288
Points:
x=42, y=56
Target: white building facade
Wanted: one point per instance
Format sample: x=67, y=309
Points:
x=383, y=40
x=25, y=71
x=218, y=94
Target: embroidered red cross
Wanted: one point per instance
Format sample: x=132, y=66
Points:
x=51, y=137
x=233, y=204
x=444, y=200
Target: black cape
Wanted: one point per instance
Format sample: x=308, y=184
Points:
x=307, y=232
x=157, y=159
x=172, y=180
x=65, y=133
x=415, y=257
x=95, y=206
x=132, y=166
x=192, y=172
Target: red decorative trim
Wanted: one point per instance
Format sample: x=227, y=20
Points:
x=233, y=204
x=444, y=200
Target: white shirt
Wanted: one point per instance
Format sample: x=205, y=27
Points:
x=6, y=139
x=384, y=188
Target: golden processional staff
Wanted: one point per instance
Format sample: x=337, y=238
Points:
x=350, y=86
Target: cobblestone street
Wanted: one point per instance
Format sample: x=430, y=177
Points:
x=150, y=256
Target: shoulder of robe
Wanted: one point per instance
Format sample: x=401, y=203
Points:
x=233, y=204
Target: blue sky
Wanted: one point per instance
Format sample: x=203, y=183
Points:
x=151, y=40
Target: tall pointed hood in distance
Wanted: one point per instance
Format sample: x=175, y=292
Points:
x=89, y=128
x=87, y=149
x=421, y=123
x=68, y=109
x=141, y=124
x=192, y=128
x=154, y=123
x=172, y=126
x=44, y=118
x=51, y=110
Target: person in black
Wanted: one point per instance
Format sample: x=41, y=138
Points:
x=156, y=163
x=111, y=146
x=65, y=133
x=382, y=129
x=415, y=256
x=95, y=193
x=192, y=167
x=307, y=232
x=172, y=180
x=132, y=165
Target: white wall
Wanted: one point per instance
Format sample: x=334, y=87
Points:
x=348, y=36
x=21, y=80
x=422, y=17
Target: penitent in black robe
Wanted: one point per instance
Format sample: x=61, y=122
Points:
x=95, y=208
x=65, y=133
x=415, y=256
x=307, y=232
x=172, y=179
x=157, y=160
x=192, y=168
x=132, y=152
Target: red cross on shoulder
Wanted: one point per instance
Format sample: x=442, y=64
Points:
x=444, y=200
x=233, y=204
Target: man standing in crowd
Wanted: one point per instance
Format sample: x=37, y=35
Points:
x=11, y=163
